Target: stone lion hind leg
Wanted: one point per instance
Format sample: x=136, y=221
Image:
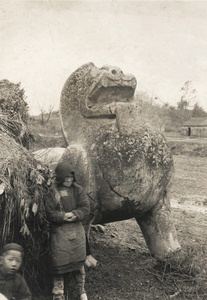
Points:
x=158, y=229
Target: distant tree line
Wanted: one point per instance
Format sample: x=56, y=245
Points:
x=168, y=116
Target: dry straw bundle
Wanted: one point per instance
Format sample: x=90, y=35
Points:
x=24, y=187
x=16, y=129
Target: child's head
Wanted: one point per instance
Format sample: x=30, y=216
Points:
x=64, y=175
x=11, y=258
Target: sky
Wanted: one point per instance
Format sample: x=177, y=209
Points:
x=164, y=44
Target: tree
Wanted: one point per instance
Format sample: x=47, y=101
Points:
x=152, y=112
x=198, y=111
x=188, y=96
x=45, y=116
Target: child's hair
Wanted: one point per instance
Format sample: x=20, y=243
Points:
x=12, y=246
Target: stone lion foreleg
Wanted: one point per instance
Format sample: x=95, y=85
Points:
x=158, y=229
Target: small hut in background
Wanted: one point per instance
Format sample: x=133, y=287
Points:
x=195, y=127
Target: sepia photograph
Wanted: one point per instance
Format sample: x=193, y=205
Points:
x=103, y=150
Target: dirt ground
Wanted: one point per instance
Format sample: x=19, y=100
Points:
x=125, y=268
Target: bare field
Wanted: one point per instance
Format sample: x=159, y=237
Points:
x=190, y=181
x=126, y=269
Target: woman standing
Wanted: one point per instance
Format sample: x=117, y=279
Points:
x=65, y=211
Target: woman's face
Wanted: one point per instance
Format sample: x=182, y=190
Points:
x=68, y=181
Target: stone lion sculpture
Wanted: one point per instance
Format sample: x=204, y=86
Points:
x=125, y=166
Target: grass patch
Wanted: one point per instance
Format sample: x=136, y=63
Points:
x=184, y=274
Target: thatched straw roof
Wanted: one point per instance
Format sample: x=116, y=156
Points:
x=20, y=177
x=24, y=186
x=16, y=129
x=14, y=114
x=12, y=100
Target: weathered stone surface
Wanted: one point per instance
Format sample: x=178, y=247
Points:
x=49, y=156
x=125, y=166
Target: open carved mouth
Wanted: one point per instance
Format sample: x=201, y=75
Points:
x=108, y=90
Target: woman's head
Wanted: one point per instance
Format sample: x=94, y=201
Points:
x=64, y=174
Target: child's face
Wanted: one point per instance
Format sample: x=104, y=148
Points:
x=11, y=261
x=68, y=181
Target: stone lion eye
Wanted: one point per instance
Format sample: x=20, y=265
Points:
x=113, y=71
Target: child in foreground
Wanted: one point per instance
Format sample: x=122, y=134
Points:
x=12, y=285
